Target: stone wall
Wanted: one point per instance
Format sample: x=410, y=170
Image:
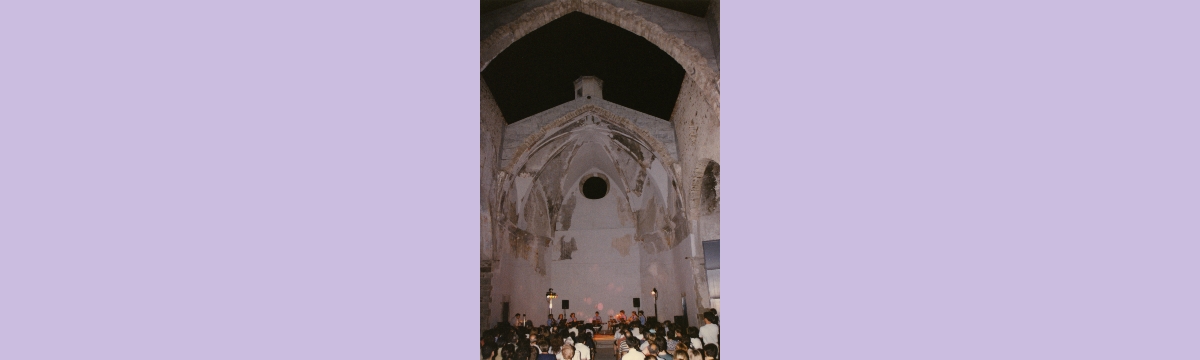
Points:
x=485, y=294
x=697, y=133
x=491, y=133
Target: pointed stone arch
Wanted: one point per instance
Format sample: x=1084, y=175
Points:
x=692, y=61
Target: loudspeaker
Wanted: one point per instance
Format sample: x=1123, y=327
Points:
x=566, y=304
x=504, y=312
x=637, y=302
x=681, y=320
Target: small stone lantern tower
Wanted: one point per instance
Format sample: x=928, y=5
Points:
x=589, y=87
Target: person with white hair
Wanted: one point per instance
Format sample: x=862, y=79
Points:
x=567, y=352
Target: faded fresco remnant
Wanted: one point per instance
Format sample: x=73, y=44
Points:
x=568, y=247
x=622, y=244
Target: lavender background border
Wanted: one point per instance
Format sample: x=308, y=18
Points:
x=236, y=180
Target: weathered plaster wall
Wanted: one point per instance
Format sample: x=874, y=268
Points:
x=491, y=135
x=698, y=136
x=597, y=267
x=598, y=253
x=491, y=132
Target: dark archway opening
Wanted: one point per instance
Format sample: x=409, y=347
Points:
x=538, y=71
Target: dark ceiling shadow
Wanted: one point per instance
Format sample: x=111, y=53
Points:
x=538, y=71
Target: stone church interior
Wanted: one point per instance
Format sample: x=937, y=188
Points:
x=599, y=175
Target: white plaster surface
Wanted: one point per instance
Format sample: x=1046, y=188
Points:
x=597, y=277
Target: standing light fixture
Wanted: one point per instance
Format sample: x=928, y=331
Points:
x=654, y=293
x=550, y=296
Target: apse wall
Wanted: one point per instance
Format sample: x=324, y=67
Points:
x=597, y=253
x=598, y=264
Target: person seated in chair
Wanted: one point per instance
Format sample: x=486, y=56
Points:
x=633, y=353
x=710, y=352
x=567, y=352
x=544, y=352
x=582, y=349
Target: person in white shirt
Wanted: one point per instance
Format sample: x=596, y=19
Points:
x=710, y=332
x=582, y=351
x=633, y=353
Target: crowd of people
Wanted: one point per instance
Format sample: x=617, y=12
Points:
x=634, y=338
